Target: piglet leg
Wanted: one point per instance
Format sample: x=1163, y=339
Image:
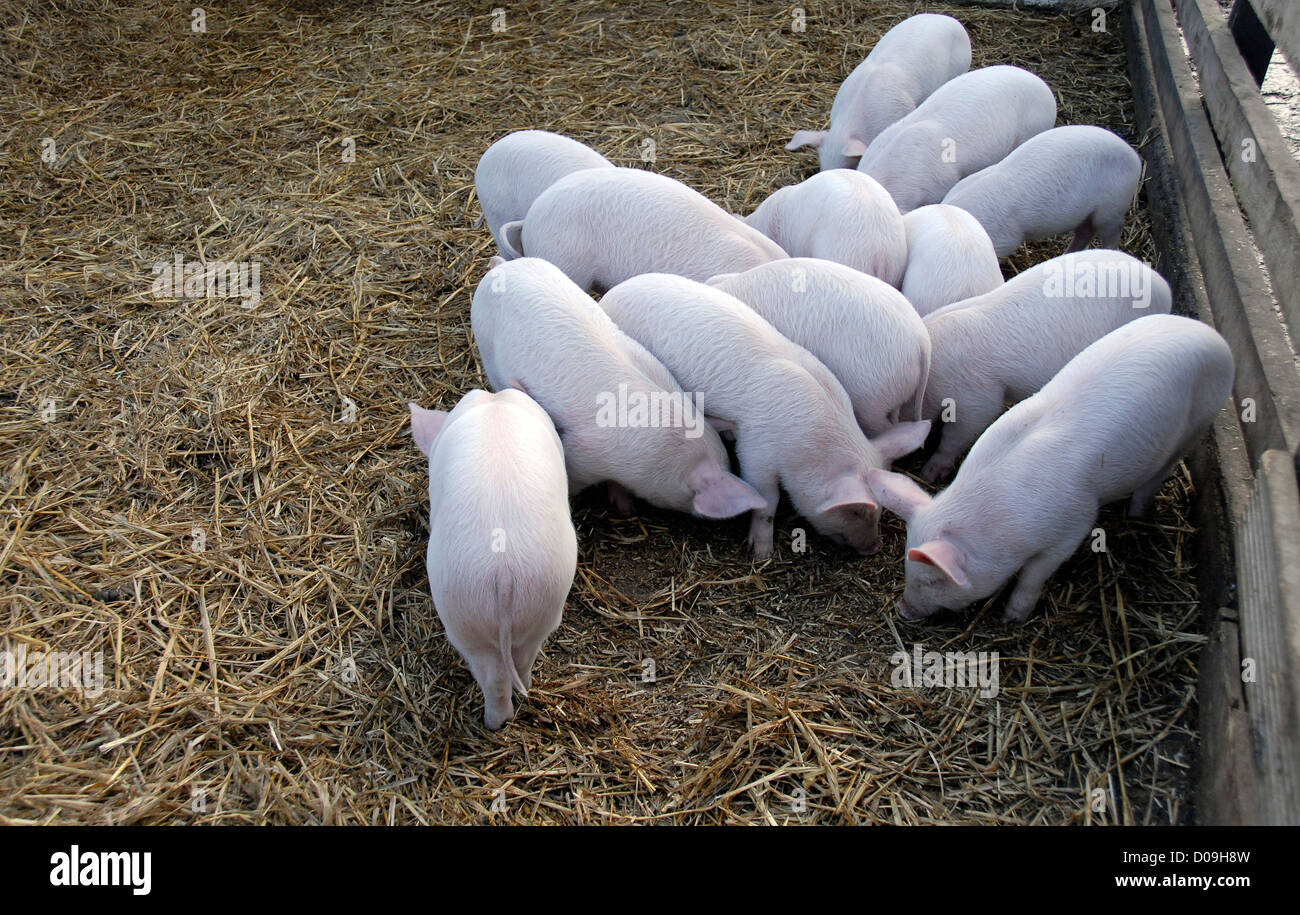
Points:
x=620, y=498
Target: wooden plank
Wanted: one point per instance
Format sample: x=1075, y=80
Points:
x=1243, y=310
x=1260, y=163
x=1268, y=570
x=1282, y=17
x=1226, y=789
x=1252, y=39
x=1175, y=253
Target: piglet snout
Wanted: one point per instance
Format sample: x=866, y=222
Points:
x=907, y=612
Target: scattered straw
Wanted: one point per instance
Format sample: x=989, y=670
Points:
x=292, y=669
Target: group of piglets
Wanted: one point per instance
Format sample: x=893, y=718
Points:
x=824, y=334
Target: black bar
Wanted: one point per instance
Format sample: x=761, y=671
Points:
x=300, y=868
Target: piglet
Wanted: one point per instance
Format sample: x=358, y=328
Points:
x=792, y=419
x=601, y=226
x=913, y=59
x=949, y=258
x=502, y=548
x=514, y=171
x=622, y=416
x=1113, y=422
x=967, y=124
x=1077, y=177
x=842, y=216
x=1003, y=346
x=861, y=328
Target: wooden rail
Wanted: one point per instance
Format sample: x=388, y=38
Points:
x=1269, y=584
x=1267, y=389
x=1259, y=161
x=1282, y=19
x=1248, y=513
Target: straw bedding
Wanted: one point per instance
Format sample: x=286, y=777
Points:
x=226, y=502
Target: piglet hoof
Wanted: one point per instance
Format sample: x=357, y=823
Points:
x=935, y=470
x=1017, y=614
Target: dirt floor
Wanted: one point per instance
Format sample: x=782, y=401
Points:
x=225, y=502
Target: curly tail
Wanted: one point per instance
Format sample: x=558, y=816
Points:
x=512, y=239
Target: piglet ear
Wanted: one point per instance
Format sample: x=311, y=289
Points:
x=854, y=148
x=725, y=496
x=848, y=491
x=425, y=426
x=806, y=138
x=945, y=557
x=901, y=439
x=897, y=492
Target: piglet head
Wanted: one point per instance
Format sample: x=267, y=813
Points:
x=936, y=571
x=849, y=515
x=936, y=580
